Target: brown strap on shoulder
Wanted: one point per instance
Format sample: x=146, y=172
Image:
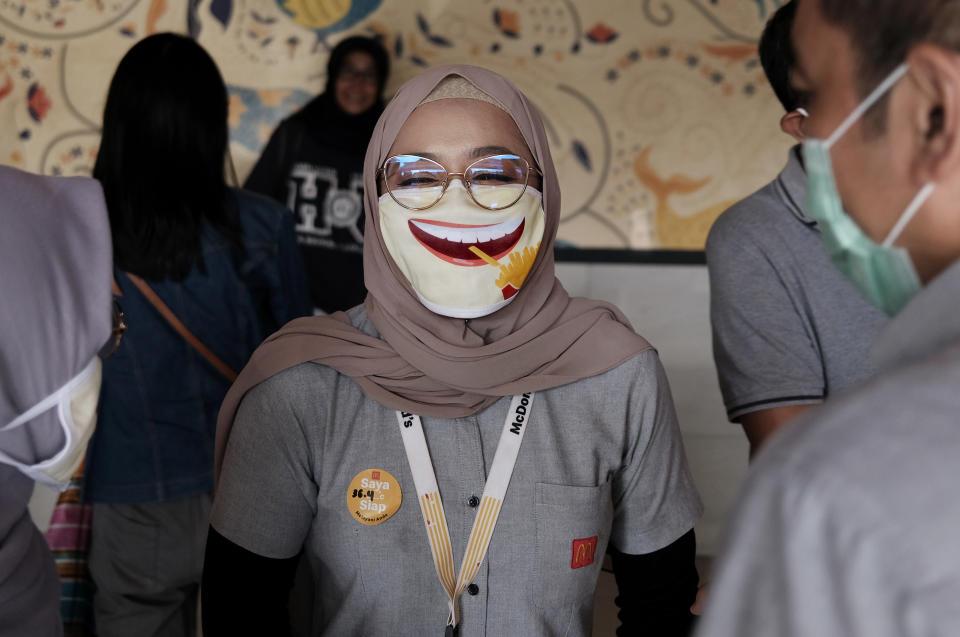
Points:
x=181, y=329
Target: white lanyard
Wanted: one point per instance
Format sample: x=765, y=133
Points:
x=428, y=494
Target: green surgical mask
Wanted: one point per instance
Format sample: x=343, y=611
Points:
x=884, y=273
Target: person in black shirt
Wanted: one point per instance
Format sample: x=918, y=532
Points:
x=313, y=164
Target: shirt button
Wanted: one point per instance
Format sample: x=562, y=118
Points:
x=473, y=589
x=474, y=501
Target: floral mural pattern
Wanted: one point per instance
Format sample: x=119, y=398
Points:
x=658, y=113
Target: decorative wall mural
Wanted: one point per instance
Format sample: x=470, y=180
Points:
x=658, y=112
x=56, y=61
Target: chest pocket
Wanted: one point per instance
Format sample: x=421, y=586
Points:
x=568, y=519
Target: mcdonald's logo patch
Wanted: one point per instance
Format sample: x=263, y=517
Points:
x=583, y=552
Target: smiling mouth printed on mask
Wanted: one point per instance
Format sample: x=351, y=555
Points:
x=454, y=242
x=444, y=251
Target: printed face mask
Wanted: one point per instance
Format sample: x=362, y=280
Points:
x=883, y=273
x=462, y=260
x=76, y=405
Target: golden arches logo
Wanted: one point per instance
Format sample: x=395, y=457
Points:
x=583, y=552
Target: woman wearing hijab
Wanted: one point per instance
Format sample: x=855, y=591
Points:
x=55, y=285
x=224, y=266
x=313, y=164
x=456, y=455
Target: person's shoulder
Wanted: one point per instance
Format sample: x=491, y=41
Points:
x=257, y=203
x=260, y=216
x=300, y=119
x=860, y=440
x=33, y=204
x=304, y=382
x=644, y=365
x=295, y=388
x=292, y=122
x=291, y=127
x=753, y=219
x=74, y=191
x=608, y=399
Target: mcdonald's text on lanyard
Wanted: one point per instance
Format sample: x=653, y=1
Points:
x=428, y=494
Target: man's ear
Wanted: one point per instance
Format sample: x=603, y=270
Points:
x=792, y=124
x=934, y=112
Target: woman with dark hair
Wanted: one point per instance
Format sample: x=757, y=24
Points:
x=313, y=164
x=205, y=272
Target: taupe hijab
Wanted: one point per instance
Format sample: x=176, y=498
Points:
x=443, y=367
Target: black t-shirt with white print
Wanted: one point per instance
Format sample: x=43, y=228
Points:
x=313, y=164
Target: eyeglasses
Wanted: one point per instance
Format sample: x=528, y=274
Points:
x=494, y=183
x=116, y=333
x=357, y=75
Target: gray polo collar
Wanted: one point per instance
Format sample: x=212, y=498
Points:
x=927, y=324
x=792, y=186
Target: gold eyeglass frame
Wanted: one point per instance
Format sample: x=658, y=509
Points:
x=462, y=175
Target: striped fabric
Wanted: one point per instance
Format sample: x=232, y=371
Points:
x=69, y=541
x=479, y=541
x=436, y=523
x=432, y=510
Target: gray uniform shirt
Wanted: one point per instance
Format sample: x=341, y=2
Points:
x=29, y=583
x=788, y=328
x=848, y=523
x=601, y=457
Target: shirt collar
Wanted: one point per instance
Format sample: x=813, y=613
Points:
x=792, y=186
x=927, y=324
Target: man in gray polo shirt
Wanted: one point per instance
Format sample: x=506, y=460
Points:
x=788, y=328
x=848, y=522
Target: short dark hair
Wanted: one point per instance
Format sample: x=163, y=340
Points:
x=162, y=157
x=883, y=31
x=776, y=55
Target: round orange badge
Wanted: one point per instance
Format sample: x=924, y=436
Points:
x=373, y=496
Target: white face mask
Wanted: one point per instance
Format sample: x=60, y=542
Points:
x=76, y=405
x=462, y=260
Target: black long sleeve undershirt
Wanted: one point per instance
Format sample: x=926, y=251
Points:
x=244, y=593
x=656, y=590
x=247, y=594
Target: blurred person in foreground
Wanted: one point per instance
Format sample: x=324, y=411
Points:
x=848, y=524
x=55, y=325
